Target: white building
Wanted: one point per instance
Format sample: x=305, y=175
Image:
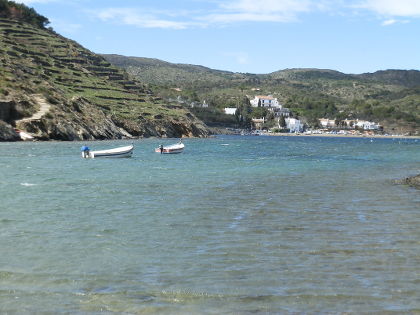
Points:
x=258, y=123
x=230, y=110
x=294, y=125
x=197, y=104
x=351, y=123
x=325, y=122
x=265, y=101
x=367, y=125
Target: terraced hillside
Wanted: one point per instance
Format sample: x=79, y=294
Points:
x=88, y=97
x=390, y=97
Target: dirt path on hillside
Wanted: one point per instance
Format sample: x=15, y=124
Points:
x=44, y=108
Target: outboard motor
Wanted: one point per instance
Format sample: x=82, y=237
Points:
x=85, y=151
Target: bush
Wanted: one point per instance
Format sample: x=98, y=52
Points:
x=214, y=117
x=20, y=12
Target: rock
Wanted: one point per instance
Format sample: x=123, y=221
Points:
x=413, y=181
x=7, y=133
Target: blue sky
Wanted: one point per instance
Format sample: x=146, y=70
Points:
x=254, y=36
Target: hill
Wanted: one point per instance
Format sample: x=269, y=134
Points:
x=166, y=74
x=407, y=78
x=88, y=98
x=390, y=97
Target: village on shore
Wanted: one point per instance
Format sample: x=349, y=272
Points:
x=286, y=125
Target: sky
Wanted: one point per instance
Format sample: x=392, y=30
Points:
x=248, y=36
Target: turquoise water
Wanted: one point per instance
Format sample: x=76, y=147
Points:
x=234, y=225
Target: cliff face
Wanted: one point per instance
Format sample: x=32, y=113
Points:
x=85, y=96
x=7, y=133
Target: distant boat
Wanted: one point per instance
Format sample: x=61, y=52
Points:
x=171, y=149
x=24, y=135
x=120, y=152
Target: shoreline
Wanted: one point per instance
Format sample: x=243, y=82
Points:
x=231, y=131
x=342, y=136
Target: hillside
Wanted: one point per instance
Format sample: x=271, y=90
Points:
x=88, y=97
x=390, y=97
x=165, y=74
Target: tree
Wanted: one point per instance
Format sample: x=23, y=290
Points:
x=259, y=112
x=243, y=113
x=282, y=121
x=337, y=122
x=21, y=12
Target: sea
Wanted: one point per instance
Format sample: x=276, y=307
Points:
x=233, y=225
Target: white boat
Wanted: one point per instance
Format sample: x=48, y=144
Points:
x=171, y=149
x=24, y=135
x=120, y=152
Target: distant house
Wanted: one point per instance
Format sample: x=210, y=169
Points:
x=367, y=125
x=351, y=123
x=230, y=110
x=265, y=101
x=283, y=111
x=294, y=125
x=327, y=123
x=257, y=123
x=202, y=105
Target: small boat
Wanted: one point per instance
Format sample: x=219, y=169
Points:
x=171, y=149
x=24, y=135
x=120, y=152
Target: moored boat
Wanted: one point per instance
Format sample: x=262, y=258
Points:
x=120, y=152
x=171, y=149
x=24, y=135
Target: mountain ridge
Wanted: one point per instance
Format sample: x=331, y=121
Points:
x=377, y=75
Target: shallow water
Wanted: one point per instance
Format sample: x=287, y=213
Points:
x=234, y=225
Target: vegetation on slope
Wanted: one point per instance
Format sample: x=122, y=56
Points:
x=90, y=98
x=20, y=12
x=389, y=97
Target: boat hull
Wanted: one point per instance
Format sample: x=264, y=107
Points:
x=166, y=151
x=171, y=149
x=121, y=152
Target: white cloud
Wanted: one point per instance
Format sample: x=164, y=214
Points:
x=262, y=6
x=401, y=8
x=224, y=12
x=260, y=11
x=28, y=2
x=137, y=18
x=229, y=18
x=389, y=22
x=227, y=12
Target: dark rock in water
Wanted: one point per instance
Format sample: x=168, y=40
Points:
x=7, y=133
x=413, y=181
